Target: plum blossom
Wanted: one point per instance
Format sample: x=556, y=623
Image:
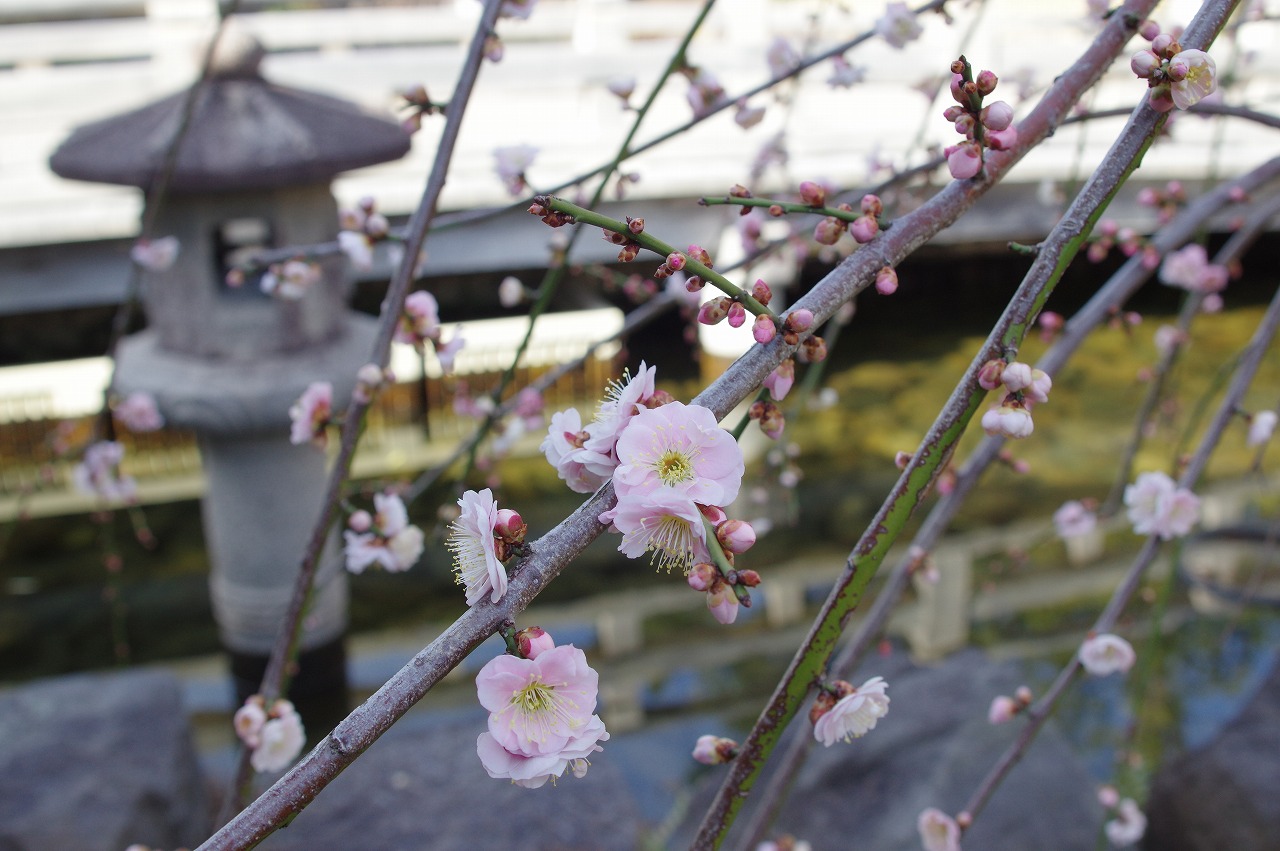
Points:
x=386, y=539
x=474, y=547
x=844, y=75
x=518, y=9
x=420, y=320
x=1189, y=268
x=541, y=719
x=1128, y=826
x=280, y=739
x=249, y=719
x=1261, y=426
x=156, y=255
x=898, y=26
x=511, y=161
x=510, y=292
x=938, y=831
x=98, y=473
x=665, y=524
x=714, y=750
x=290, y=280
x=748, y=116
x=138, y=412
x=854, y=714
x=1011, y=419
x=1194, y=76
x=358, y=248
x=1002, y=709
x=705, y=92
x=1157, y=506
x=583, y=470
x=1074, y=520
x=682, y=448
x=311, y=413
x=1105, y=654
x=782, y=58
x=623, y=400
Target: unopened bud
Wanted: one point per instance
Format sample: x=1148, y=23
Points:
x=953, y=112
x=636, y=226
x=776, y=211
x=714, y=750
x=714, y=311
x=799, y=320
x=693, y=283
x=814, y=349
x=675, y=261
x=886, y=281
x=812, y=194
x=699, y=254
x=749, y=578
x=986, y=82
x=997, y=116
x=772, y=420
x=828, y=231
x=360, y=521
x=510, y=527
x=1144, y=63
x=736, y=536
x=760, y=292
x=532, y=640
x=872, y=205
x=628, y=252
x=763, y=329
x=702, y=575
x=739, y=191
x=737, y=315
x=864, y=229
x=989, y=376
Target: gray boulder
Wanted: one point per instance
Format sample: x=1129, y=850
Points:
x=98, y=761
x=1226, y=793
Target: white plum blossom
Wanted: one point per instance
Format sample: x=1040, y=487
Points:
x=1157, y=506
x=898, y=25
x=1105, y=654
x=291, y=280
x=1261, y=426
x=854, y=714
x=358, y=248
x=782, y=58
x=510, y=162
x=844, y=75
x=1074, y=520
x=938, y=831
x=518, y=9
x=310, y=414
x=280, y=739
x=390, y=540
x=1011, y=419
x=1128, y=826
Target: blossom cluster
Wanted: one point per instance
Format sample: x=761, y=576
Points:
x=275, y=737
x=982, y=126
x=673, y=470
x=290, y=280
x=1177, y=77
x=1189, y=268
x=1109, y=234
x=360, y=230
x=385, y=538
x=310, y=415
x=98, y=473
x=542, y=718
x=420, y=324
x=1025, y=387
x=1157, y=506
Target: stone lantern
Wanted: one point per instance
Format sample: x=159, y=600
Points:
x=227, y=362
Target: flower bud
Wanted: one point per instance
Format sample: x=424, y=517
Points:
x=814, y=349
x=749, y=578
x=1002, y=140
x=799, y=320
x=736, y=536
x=763, y=329
x=1002, y=710
x=737, y=315
x=812, y=194
x=714, y=750
x=827, y=231
x=989, y=376
x=1149, y=29
x=702, y=575
x=1160, y=45
x=636, y=226
x=901, y=459
x=1016, y=376
x=360, y=521
x=997, y=116
x=628, y=252
x=986, y=82
x=510, y=527
x=699, y=254
x=964, y=124
x=964, y=161
x=772, y=420
x=714, y=311
x=822, y=704
x=760, y=292
x=739, y=191
x=693, y=284
x=1144, y=63
x=776, y=211
x=675, y=261
x=886, y=281
x=715, y=514
x=864, y=229
x=957, y=87
x=722, y=602
x=953, y=112
x=532, y=640
x=872, y=205
x=1011, y=419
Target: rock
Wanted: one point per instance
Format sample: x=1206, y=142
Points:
x=421, y=786
x=932, y=750
x=1223, y=794
x=98, y=761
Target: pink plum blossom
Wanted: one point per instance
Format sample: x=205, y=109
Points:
x=1261, y=426
x=156, y=255
x=420, y=320
x=747, y=116
x=583, y=471
x=1157, y=506
x=1194, y=75
x=898, y=25
x=357, y=247
x=390, y=542
x=249, y=719
x=1002, y=709
x=290, y=280
x=1189, y=268
x=782, y=57
x=665, y=524
x=310, y=414
x=98, y=473
x=938, y=831
x=680, y=448
x=1129, y=825
x=280, y=739
x=541, y=719
x=1073, y=520
x=471, y=540
x=705, y=93
x=844, y=75
x=138, y=412
x=1105, y=654
x=854, y=714
x=623, y=399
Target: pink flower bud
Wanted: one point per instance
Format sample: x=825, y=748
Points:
x=714, y=311
x=737, y=315
x=814, y=349
x=953, y=112
x=827, y=231
x=675, y=261
x=964, y=125
x=997, y=116
x=1002, y=140
x=702, y=575
x=812, y=194
x=360, y=521
x=901, y=459
x=872, y=205
x=532, y=640
x=722, y=602
x=780, y=380
x=1160, y=44
x=760, y=292
x=989, y=376
x=886, y=281
x=1003, y=708
x=772, y=420
x=957, y=90
x=1160, y=98
x=799, y=320
x=1023, y=694
x=510, y=527
x=864, y=229
x=763, y=329
x=699, y=254
x=1144, y=63
x=736, y=536
x=749, y=578
x=986, y=82
x=693, y=284
x=1149, y=29
x=964, y=161
x=714, y=750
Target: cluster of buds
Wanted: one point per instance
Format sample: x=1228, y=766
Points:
x=1177, y=78
x=551, y=218
x=1025, y=387
x=674, y=263
x=630, y=248
x=769, y=416
x=1004, y=708
x=731, y=308
x=361, y=229
x=723, y=588
x=1110, y=235
x=274, y=736
x=419, y=104
x=1166, y=202
x=863, y=227
x=989, y=126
